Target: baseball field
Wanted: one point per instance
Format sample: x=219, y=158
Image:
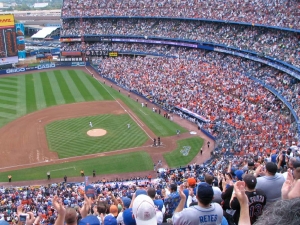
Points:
x=64, y=121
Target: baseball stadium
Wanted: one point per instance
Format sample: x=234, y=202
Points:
x=193, y=103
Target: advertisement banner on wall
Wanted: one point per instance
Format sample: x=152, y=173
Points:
x=42, y=67
x=69, y=39
x=69, y=53
x=20, y=30
x=8, y=43
x=78, y=64
x=7, y=21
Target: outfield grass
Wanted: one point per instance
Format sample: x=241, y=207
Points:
x=159, y=125
x=117, y=164
x=176, y=158
x=68, y=137
x=20, y=95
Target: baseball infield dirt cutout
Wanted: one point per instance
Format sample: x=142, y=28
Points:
x=96, y=132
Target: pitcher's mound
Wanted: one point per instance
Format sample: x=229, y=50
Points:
x=96, y=132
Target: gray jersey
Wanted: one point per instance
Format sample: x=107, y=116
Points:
x=195, y=215
x=271, y=185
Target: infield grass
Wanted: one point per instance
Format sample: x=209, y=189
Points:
x=117, y=164
x=176, y=157
x=69, y=137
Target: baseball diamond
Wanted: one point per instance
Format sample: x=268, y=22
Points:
x=50, y=116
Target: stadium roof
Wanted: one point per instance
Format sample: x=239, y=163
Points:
x=44, y=32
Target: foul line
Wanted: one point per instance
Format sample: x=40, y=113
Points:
x=143, y=112
x=64, y=168
x=132, y=116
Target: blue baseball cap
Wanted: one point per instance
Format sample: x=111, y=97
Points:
x=204, y=191
x=126, y=202
x=128, y=218
x=239, y=174
x=91, y=220
x=110, y=220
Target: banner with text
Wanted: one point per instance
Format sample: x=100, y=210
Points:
x=8, y=40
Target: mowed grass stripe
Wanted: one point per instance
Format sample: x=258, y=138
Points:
x=73, y=89
x=48, y=93
x=81, y=86
x=68, y=97
x=21, y=106
x=100, y=88
x=7, y=115
x=30, y=94
x=59, y=98
x=5, y=88
x=7, y=102
x=6, y=94
x=5, y=106
x=89, y=82
x=11, y=78
x=3, y=117
x=7, y=110
x=7, y=82
x=39, y=93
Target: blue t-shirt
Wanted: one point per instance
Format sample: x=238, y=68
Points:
x=159, y=203
x=273, y=158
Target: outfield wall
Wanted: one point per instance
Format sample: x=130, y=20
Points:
x=42, y=66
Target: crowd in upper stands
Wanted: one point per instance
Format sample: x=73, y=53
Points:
x=282, y=13
x=278, y=44
x=212, y=85
x=286, y=85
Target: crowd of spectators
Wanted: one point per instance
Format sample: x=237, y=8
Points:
x=214, y=86
x=287, y=86
x=282, y=13
x=267, y=181
x=279, y=44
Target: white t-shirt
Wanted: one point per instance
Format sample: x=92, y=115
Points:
x=120, y=219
